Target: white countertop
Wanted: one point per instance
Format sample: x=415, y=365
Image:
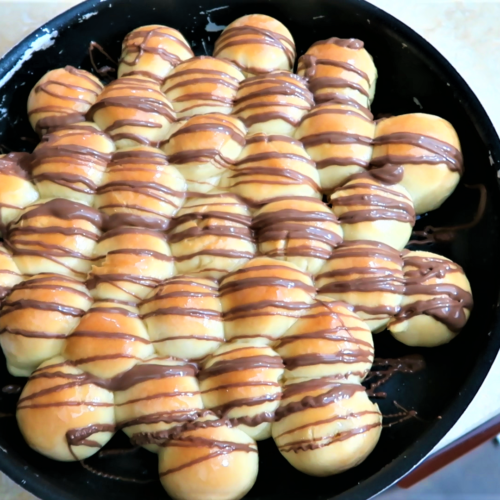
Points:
x=466, y=32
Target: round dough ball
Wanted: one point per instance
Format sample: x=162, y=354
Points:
x=134, y=112
x=340, y=70
x=16, y=189
x=62, y=97
x=130, y=262
x=204, y=147
x=326, y=426
x=303, y=231
x=210, y=462
x=272, y=167
x=140, y=189
x=183, y=316
x=368, y=276
x=241, y=382
x=70, y=162
x=328, y=340
x=370, y=208
x=273, y=103
x=338, y=137
x=257, y=44
x=154, y=396
x=429, y=151
x=110, y=339
x=36, y=318
x=153, y=51
x=437, y=301
x=211, y=235
x=9, y=272
x=203, y=85
x=263, y=299
x=55, y=236
x=62, y=414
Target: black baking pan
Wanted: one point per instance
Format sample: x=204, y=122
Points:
x=413, y=77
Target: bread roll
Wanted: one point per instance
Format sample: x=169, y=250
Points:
x=203, y=85
x=428, y=149
x=263, y=299
x=211, y=462
x=16, y=189
x=257, y=44
x=372, y=207
x=132, y=262
x=70, y=162
x=241, y=382
x=339, y=69
x=183, y=316
x=338, y=137
x=303, y=231
x=36, y=318
x=109, y=340
x=152, y=51
x=9, y=272
x=140, y=189
x=368, y=276
x=55, y=236
x=204, y=147
x=272, y=167
x=62, y=414
x=133, y=111
x=328, y=340
x=211, y=235
x=324, y=426
x=62, y=97
x=437, y=301
x=154, y=396
x=273, y=103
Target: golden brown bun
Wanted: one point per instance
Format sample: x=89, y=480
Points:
x=437, y=301
x=154, y=396
x=140, y=189
x=62, y=97
x=9, y=272
x=432, y=179
x=257, y=44
x=324, y=426
x=369, y=209
x=242, y=382
x=270, y=167
x=328, y=340
x=339, y=69
x=132, y=261
x=153, y=51
x=368, y=276
x=70, y=162
x=110, y=339
x=55, y=236
x=133, y=111
x=204, y=147
x=16, y=189
x=202, y=85
x=36, y=318
x=338, y=137
x=211, y=235
x=193, y=466
x=184, y=317
x=273, y=103
x=64, y=416
x=303, y=231
x=263, y=299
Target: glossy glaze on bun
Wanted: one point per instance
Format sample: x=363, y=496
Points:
x=153, y=51
x=9, y=272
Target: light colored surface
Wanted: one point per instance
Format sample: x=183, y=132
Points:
x=465, y=32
